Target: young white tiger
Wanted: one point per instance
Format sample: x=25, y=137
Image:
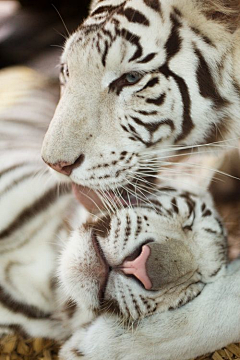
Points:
x=153, y=282
x=143, y=282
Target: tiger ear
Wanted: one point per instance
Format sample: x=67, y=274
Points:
x=226, y=12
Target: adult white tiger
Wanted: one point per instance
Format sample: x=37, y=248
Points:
x=139, y=76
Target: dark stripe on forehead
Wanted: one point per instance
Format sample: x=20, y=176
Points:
x=187, y=124
x=154, y=5
x=107, y=8
x=38, y=206
x=206, y=84
x=134, y=40
x=147, y=58
x=14, y=306
x=134, y=16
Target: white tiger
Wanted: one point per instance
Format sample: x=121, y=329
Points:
x=110, y=300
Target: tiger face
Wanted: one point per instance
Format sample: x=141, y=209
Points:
x=140, y=78
x=145, y=259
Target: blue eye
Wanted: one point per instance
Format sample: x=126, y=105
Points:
x=133, y=77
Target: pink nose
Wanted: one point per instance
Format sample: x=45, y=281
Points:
x=137, y=267
x=66, y=168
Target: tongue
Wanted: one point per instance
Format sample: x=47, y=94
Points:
x=137, y=267
x=91, y=201
x=87, y=197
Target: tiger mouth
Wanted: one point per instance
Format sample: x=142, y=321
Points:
x=130, y=195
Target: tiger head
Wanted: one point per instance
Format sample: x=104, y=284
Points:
x=145, y=259
x=139, y=79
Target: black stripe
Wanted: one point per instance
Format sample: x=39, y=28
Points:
x=152, y=127
x=206, y=84
x=177, y=11
x=150, y=83
x=105, y=53
x=166, y=189
x=134, y=40
x=13, y=167
x=210, y=231
x=154, y=5
x=174, y=205
x=189, y=201
x=18, y=181
x=15, y=306
x=146, y=113
x=107, y=33
x=147, y=58
x=203, y=37
x=158, y=101
x=206, y=213
x=187, y=125
x=17, y=329
x=134, y=16
x=107, y=8
x=173, y=44
x=38, y=206
x=216, y=271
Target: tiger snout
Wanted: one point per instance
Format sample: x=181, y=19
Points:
x=65, y=167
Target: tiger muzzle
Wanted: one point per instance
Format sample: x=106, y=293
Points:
x=160, y=265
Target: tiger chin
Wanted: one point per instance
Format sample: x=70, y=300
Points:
x=148, y=281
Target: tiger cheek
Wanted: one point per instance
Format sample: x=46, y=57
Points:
x=169, y=263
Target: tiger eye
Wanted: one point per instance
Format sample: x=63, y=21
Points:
x=133, y=77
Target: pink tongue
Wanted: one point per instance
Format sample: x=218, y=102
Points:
x=137, y=267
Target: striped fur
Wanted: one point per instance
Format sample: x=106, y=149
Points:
x=32, y=206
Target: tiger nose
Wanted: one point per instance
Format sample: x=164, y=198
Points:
x=66, y=168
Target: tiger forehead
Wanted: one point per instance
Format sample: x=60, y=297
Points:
x=103, y=18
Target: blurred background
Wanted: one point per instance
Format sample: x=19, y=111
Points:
x=33, y=32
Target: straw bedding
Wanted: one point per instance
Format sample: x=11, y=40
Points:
x=13, y=347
